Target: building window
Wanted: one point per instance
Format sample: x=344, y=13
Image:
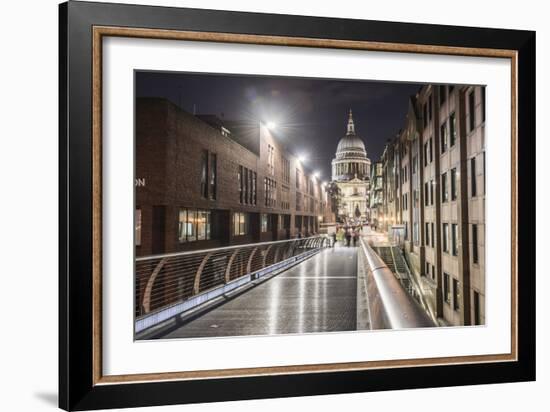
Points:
x=285, y=198
x=298, y=201
x=477, y=308
x=452, y=127
x=247, y=186
x=204, y=173
x=270, y=188
x=427, y=270
x=415, y=232
x=443, y=137
x=253, y=188
x=265, y=222
x=311, y=186
x=442, y=94
x=473, y=183
x=433, y=272
x=446, y=288
x=240, y=183
x=432, y=184
x=298, y=178
x=271, y=159
x=213, y=175
x=456, y=294
x=193, y=225
x=190, y=226
x=454, y=239
x=426, y=153
x=475, y=253
x=433, y=234
x=137, y=223
x=471, y=111
x=445, y=237
x=453, y=184
x=430, y=107
x=240, y=224
x=444, y=191
x=286, y=170
x=203, y=224
x=431, y=150
x=427, y=242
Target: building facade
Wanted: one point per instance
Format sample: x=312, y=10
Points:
x=202, y=182
x=351, y=174
x=376, y=199
x=434, y=185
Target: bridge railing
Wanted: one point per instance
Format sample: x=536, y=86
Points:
x=162, y=281
x=390, y=306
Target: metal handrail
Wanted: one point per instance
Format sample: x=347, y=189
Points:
x=417, y=287
x=389, y=304
x=190, y=252
x=167, y=279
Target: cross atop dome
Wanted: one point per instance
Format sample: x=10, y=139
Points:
x=351, y=125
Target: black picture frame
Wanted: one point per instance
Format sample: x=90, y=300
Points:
x=77, y=390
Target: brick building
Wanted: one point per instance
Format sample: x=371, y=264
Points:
x=204, y=182
x=434, y=185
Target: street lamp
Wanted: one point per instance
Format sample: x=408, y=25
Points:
x=302, y=158
x=316, y=175
x=271, y=126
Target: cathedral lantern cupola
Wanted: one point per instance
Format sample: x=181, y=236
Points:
x=351, y=126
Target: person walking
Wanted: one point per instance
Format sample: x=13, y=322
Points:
x=333, y=238
x=348, y=237
x=355, y=237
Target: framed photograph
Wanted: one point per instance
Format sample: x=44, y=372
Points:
x=257, y=205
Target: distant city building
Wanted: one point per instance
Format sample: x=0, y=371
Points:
x=433, y=198
x=204, y=182
x=351, y=174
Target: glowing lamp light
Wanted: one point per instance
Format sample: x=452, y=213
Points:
x=302, y=158
x=271, y=125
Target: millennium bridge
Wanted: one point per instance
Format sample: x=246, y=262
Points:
x=280, y=287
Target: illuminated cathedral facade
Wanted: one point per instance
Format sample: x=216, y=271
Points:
x=351, y=174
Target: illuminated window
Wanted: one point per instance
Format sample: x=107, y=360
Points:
x=445, y=240
x=453, y=184
x=456, y=294
x=452, y=127
x=444, y=191
x=446, y=288
x=454, y=239
x=240, y=224
x=194, y=225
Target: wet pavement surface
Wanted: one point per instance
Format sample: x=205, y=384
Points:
x=318, y=295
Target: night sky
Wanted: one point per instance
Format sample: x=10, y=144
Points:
x=310, y=114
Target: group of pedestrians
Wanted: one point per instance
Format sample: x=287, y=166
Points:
x=349, y=234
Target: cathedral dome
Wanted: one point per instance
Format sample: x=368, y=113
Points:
x=351, y=145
